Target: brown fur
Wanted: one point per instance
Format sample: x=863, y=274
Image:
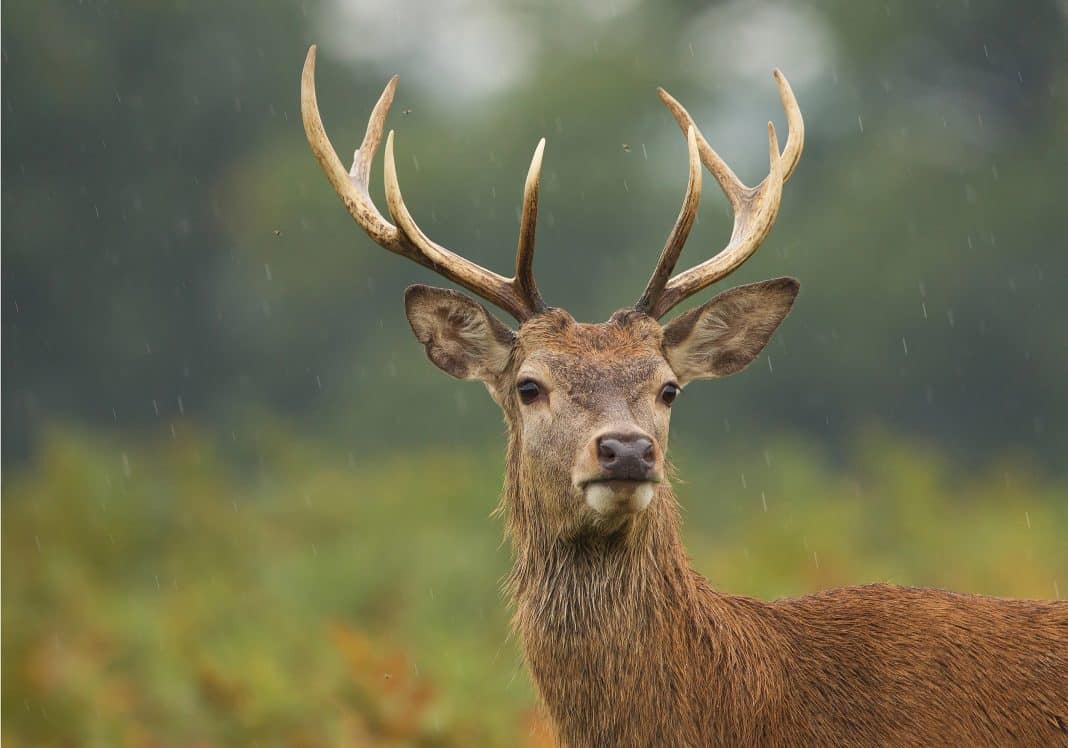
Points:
x=628, y=645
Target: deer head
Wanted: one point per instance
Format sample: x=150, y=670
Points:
x=588, y=405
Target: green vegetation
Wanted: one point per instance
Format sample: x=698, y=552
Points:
x=157, y=595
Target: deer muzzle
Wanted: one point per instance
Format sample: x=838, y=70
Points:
x=618, y=472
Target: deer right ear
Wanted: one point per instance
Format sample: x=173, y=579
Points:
x=460, y=336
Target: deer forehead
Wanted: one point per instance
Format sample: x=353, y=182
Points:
x=626, y=333
x=592, y=362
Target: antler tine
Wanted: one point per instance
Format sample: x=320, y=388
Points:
x=751, y=227
x=755, y=208
x=679, y=232
x=726, y=177
x=795, y=133
x=494, y=288
x=518, y=296
x=524, y=254
x=351, y=189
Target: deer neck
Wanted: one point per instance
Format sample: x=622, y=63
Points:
x=577, y=580
x=617, y=628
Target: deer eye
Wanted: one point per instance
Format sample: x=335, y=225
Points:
x=668, y=393
x=528, y=390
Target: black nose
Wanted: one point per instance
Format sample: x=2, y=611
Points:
x=626, y=456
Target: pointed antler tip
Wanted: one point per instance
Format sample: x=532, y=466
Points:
x=534, y=172
x=692, y=148
x=774, y=157
x=389, y=162
x=309, y=59
x=671, y=102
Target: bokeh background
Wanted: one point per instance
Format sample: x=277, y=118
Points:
x=239, y=507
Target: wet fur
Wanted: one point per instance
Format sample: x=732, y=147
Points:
x=628, y=645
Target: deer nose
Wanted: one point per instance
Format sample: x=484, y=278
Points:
x=626, y=456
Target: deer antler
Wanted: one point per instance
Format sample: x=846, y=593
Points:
x=517, y=295
x=754, y=208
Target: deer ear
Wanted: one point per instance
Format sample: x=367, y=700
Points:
x=724, y=335
x=460, y=336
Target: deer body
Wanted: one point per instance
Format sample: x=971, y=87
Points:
x=629, y=646
x=626, y=643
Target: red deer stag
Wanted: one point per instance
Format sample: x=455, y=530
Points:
x=626, y=643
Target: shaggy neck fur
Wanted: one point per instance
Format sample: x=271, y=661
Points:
x=627, y=645
x=623, y=639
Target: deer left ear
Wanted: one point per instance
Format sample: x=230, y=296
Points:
x=724, y=335
x=460, y=336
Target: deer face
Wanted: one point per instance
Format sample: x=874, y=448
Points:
x=589, y=405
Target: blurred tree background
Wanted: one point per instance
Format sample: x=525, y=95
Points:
x=212, y=401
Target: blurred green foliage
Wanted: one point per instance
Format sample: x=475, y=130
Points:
x=154, y=595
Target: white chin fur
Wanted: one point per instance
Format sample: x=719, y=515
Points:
x=605, y=498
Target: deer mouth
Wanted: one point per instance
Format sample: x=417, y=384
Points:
x=618, y=483
x=626, y=477
x=613, y=496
